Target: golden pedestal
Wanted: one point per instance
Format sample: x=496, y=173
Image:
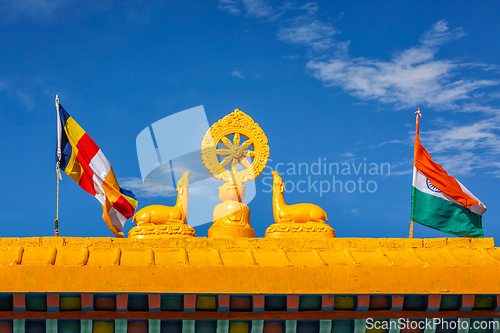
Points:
x=229, y=231
x=158, y=230
x=231, y=217
x=300, y=230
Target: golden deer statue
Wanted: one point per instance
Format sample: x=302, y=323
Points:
x=298, y=213
x=159, y=214
x=303, y=220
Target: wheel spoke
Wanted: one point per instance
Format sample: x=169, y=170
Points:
x=234, y=166
x=226, y=142
x=245, y=162
x=236, y=140
x=226, y=161
x=248, y=153
x=222, y=152
x=246, y=144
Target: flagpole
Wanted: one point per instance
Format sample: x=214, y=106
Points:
x=411, y=222
x=58, y=169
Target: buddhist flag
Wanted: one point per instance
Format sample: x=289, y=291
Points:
x=81, y=159
x=440, y=201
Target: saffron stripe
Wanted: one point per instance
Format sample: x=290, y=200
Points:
x=437, y=175
x=111, y=187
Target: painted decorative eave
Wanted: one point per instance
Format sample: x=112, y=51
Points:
x=202, y=265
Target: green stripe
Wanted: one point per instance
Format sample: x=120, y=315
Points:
x=444, y=215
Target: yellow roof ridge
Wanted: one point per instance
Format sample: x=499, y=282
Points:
x=246, y=266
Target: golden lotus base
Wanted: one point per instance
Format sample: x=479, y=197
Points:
x=161, y=230
x=218, y=231
x=300, y=230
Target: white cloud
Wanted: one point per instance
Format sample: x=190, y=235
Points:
x=495, y=95
x=254, y=8
x=25, y=90
x=258, y=8
x=38, y=9
x=308, y=31
x=230, y=6
x=403, y=166
x=237, y=74
x=440, y=34
x=461, y=149
x=462, y=164
x=402, y=173
x=465, y=137
x=473, y=107
x=154, y=189
x=385, y=143
x=412, y=77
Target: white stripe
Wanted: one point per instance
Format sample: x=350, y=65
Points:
x=59, y=134
x=101, y=167
x=117, y=218
x=420, y=183
x=481, y=205
x=99, y=193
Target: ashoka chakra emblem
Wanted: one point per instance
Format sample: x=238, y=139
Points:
x=431, y=187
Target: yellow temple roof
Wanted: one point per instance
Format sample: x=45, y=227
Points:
x=250, y=266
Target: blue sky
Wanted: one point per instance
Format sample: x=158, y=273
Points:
x=336, y=81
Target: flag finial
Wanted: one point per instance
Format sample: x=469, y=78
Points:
x=57, y=99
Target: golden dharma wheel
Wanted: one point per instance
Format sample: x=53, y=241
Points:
x=248, y=148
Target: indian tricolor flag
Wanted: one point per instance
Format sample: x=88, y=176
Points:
x=440, y=201
x=81, y=159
